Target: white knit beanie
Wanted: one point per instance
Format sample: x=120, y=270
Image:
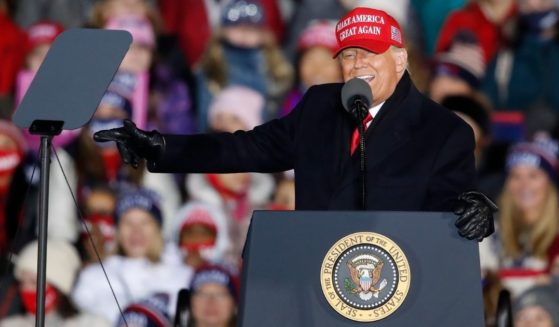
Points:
x=240, y=101
x=63, y=263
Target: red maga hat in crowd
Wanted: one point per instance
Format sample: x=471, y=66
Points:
x=43, y=32
x=370, y=29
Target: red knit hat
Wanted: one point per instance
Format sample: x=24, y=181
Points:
x=43, y=32
x=320, y=33
x=370, y=29
x=199, y=216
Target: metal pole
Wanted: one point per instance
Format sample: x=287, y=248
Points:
x=43, y=223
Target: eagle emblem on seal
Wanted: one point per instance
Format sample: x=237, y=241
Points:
x=365, y=271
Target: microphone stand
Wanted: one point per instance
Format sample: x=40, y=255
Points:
x=360, y=112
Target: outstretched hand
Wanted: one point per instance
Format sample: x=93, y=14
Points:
x=475, y=215
x=133, y=143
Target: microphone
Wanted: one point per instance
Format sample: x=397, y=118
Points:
x=357, y=97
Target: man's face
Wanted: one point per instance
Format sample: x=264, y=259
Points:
x=381, y=71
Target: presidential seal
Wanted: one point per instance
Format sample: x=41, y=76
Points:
x=365, y=276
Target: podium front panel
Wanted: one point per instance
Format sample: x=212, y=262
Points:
x=285, y=251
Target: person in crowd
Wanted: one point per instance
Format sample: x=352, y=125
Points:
x=315, y=65
x=284, y=195
x=40, y=38
x=112, y=109
x=234, y=108
x=139, y=57
x=527, y=243
x=98, y=207
x=431, y=15
x=243, y=53
x=476, y=113
x=424, y=154
x=458, y=71
x=150, y=312
x=68, y=13
x=537, y=307
x=12, y=151
x=522, y=76
x=171, y=104
x=202, y=233
x=491, y=288
x=12, y=52
x=305, y=12
x=132, y=78
x=12, y=155
x=214, y=294
x=194, y=23
x=486, y=19
x=160, y=96
x=63, y=264
x=140, y=266
x=105, y=10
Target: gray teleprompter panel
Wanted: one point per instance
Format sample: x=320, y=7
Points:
x=284, y=253
x=73, y=78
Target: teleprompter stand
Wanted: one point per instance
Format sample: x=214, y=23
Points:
x=64, y=95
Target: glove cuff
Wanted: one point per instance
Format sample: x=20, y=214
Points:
x=157, y=145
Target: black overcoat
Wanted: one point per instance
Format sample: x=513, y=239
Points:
x=419, y=154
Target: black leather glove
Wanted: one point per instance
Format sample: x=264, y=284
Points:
x=133, y=143
x=475, y=211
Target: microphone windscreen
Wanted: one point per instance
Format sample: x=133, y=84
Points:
x=356, y=88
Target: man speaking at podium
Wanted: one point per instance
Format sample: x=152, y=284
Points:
x=420, y=156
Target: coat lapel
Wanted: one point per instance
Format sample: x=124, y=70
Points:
x=341, y=132
x=390, y=130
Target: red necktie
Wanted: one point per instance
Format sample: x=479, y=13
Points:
x=355, y=136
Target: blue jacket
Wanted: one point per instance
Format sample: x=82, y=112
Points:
x=533, y=77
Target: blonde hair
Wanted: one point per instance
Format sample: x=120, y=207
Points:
x=101, y=12
x=279, y=70
x=540, y=236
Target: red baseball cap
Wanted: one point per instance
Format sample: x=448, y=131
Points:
x=370, y=29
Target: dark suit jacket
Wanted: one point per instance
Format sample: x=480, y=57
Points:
x=419, y=154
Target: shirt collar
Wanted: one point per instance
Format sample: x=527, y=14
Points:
x=374, y=110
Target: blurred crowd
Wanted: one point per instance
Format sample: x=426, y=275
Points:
x=226, y=65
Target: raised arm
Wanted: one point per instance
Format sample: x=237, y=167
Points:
x=267, y=148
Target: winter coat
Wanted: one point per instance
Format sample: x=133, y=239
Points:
x=54, y=320
x=132, y=280
x=419, y=154
x=525, y=77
